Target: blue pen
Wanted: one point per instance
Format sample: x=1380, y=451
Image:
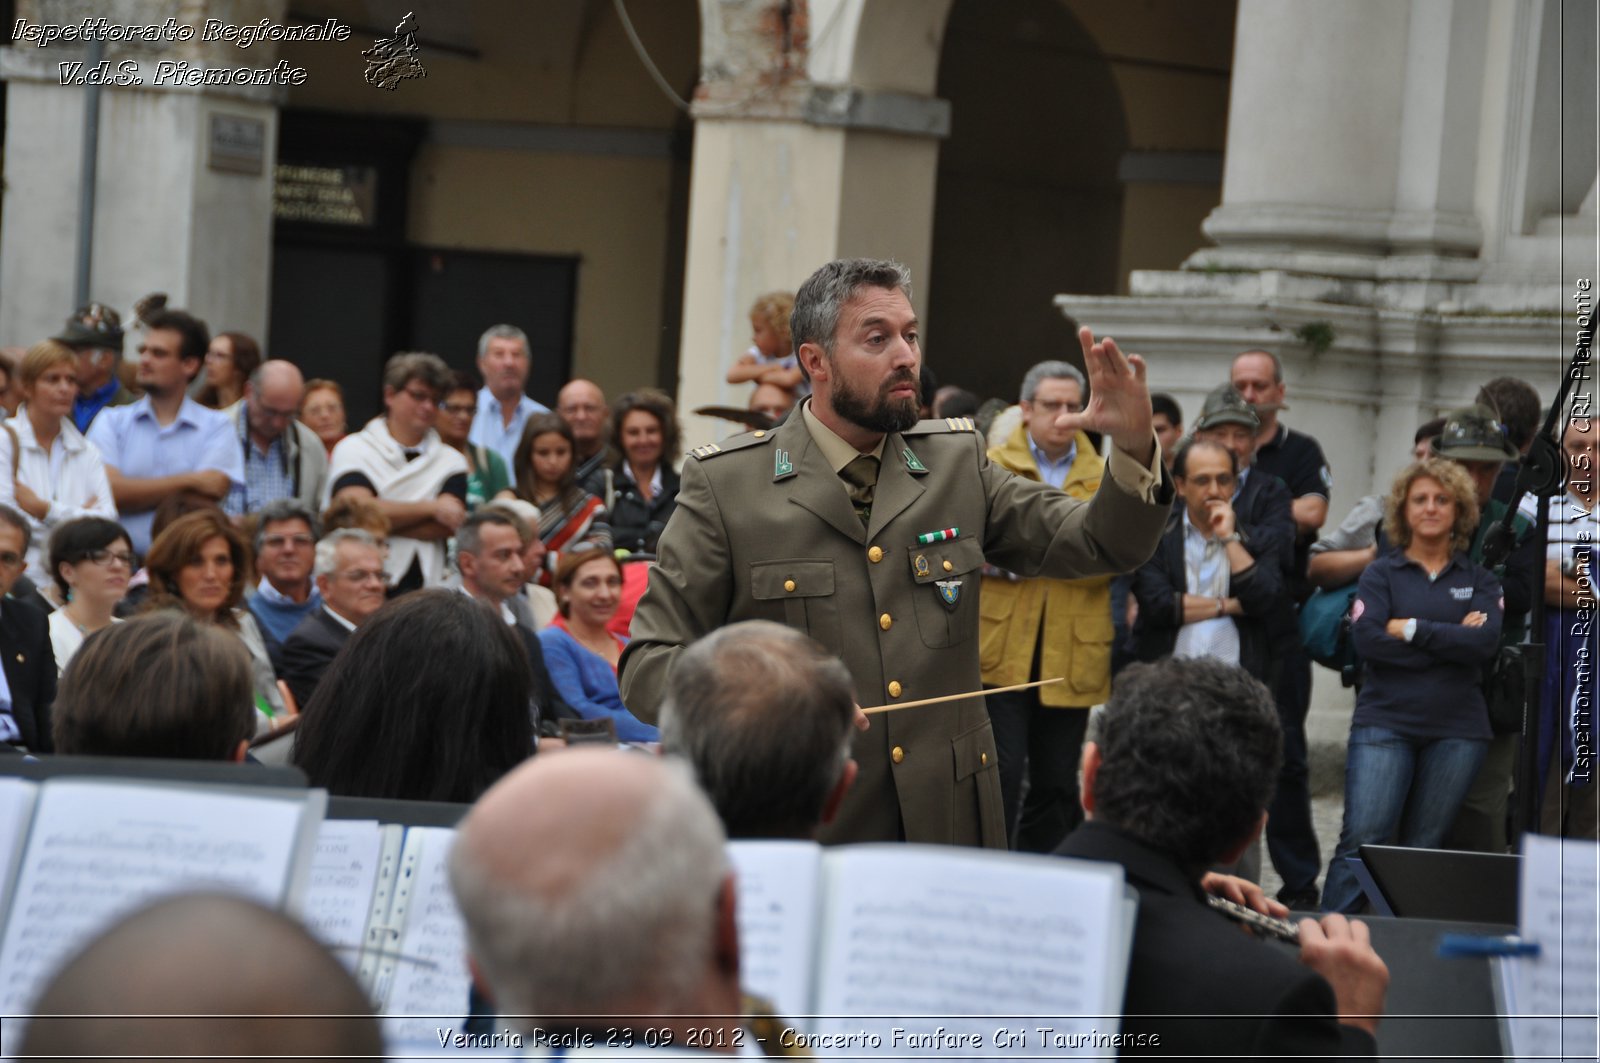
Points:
x=1473, y=945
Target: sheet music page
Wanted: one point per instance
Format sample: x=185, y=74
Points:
x=1559, y=909
x=777, y=889
x=16, y=807
x=344, y=873
x=431, y=981
x=100, y=849
x=970, y=949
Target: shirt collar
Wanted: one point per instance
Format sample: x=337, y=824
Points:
x=486, y=400
x=102, y=395
x=341, y=621
x=69, y=436
x=186, y=412
x=835, y=450
x=1042, y=459
x=277, y=597
x=505, y=610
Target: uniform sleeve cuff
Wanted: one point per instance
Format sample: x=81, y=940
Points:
x=1138, y=480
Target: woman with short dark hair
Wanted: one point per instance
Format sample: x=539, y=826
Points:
x=428, y=701
x=92, y=560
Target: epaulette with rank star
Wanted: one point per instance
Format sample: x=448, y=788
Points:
x=732, y=443
x=940, y=425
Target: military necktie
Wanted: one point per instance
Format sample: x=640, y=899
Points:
x=861, y=476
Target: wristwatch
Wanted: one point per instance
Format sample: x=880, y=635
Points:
x=1234, y=538
x=1409, y=629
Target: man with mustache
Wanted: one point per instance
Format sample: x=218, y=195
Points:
x=866, y=528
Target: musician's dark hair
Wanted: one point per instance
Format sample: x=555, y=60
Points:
x=765, y=717
x=1189, y=757
x=165, y=685
x=427, y=701
x=1180, y=458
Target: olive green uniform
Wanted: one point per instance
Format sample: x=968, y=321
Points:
x=764, y=529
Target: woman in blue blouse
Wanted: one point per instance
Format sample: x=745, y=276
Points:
x=1426, y=619
x=578, y=650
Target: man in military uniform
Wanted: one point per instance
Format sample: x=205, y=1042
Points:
x=866, y=529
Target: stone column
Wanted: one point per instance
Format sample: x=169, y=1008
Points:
x=789, y=173
x=183, y=194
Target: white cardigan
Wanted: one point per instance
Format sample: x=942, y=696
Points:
x=79, y=489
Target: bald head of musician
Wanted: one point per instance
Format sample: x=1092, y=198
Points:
x=594, y=883
x=764, y=716
x=155, y=980
x=1176, y=778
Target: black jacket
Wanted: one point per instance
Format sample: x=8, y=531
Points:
x=30, y=665
x=1161, y=582
x=308, y=651
x=635, y=523
x=1203, y=985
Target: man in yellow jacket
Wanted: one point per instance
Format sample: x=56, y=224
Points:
x=1042, y=628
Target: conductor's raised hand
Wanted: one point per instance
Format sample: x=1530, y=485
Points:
x=1119, y=398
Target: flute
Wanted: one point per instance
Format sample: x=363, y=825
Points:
x=1260, y=925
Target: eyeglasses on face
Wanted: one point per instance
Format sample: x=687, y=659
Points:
x=105, y=556
x=421, y=397
x=278, y=542
x=364, y=575
x=458, y=409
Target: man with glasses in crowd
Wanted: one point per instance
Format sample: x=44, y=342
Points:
x=282, y=457
x=286, y=535
x=350, y=582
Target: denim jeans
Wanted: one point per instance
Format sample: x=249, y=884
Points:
x=1397, y=788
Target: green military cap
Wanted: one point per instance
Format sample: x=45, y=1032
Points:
x=1473, y=433
x=1226, y=406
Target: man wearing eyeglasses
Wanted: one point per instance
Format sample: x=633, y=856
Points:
x=286, y=536
x=350, y=582
x=282, y=457
x=27, y=662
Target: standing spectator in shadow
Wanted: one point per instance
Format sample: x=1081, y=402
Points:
x=95, y=335
x=428, y=701
x=165, y=685
x=504, y=361
x=1516, y=405
x=283, y=459
x=1571, y=804
x=582, y=405
x=230, y=360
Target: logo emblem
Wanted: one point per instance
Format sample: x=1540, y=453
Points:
x=920, y=565
x=781, y=465
x=912, y=461
x=949, y=592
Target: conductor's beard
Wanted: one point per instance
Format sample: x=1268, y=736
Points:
x=879, y=413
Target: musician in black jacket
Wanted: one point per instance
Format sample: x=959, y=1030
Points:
x=1176, y=778
x=29, y=661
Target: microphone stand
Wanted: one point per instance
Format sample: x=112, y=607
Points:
x=1541, y=473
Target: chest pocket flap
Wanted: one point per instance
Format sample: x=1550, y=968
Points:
x=953, y=557
x=798, y=578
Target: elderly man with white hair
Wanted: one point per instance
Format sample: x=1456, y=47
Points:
x=594, y=885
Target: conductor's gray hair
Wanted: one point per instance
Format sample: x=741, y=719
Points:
x=821, y=298
x=1053, y=370
x=765, y=716
x=327, y=559
x=503, y=332
x=639, y=925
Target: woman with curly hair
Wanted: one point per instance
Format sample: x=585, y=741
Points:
x=1425, y=620
x=199, y=564
x=641, y=490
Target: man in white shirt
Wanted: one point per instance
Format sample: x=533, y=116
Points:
x=503, y=405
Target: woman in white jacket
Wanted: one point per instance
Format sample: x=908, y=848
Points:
x=59, y=474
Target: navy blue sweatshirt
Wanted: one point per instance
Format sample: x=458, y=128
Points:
x=1432, y=686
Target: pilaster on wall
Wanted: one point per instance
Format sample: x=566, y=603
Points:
x=791, y=171
x=162, y=189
